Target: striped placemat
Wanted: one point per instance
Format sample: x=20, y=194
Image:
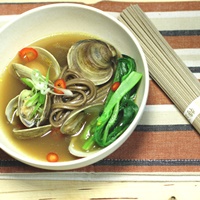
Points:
x=163, y=141
x=83, y=1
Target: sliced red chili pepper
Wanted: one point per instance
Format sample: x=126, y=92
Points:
x=28, y=54
x=115, y=86
x=59, y=83
x=52, y=157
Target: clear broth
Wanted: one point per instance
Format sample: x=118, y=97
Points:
x=38, y=148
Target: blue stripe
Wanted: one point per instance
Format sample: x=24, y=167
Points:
x=11, y=163
x=113, y=162
x=194, y=69
x=108, y=162
x=181, y=33
x=172, y=128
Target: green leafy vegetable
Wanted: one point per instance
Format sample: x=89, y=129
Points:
x=120, y=108
x=112, y=110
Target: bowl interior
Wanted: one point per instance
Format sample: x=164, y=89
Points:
x=58, y=18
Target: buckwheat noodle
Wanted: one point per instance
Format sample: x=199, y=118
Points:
x=165, y=67
x=84, y=92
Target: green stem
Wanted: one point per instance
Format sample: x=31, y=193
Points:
x=89, y=143
x=125, y=87
x=32, y=100
x=110, y=123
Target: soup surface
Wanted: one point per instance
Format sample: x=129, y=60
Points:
x=54, y=141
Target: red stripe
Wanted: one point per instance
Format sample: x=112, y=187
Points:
x=179, y=42
x=9, y=8
x=156, y=95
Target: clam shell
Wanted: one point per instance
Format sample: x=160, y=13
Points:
x=11, y=109
x=24, y=111
x=76, y=118
x=45, y=58
x=31, y=132
x=76, y=149
x=77, y=152
x=50, y=61
x=93, y=59
x=21, y=70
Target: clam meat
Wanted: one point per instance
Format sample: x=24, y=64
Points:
x=33, y=114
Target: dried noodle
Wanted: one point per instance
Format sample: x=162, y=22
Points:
x=165, y=67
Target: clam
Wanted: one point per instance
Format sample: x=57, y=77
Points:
x=26, y=112
x=93, y=59
x=11, y=109
x=16, y=108
x=76, y=119
x=43, y=62
x=79, y=152
x=32, y=132
x=21, y=70
x=35, y=126
x=89, y=112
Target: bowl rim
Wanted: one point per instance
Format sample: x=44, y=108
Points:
x=82, y=162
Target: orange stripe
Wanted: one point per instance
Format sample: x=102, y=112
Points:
x=156, y=95
x=144, y=169
x=91, y=168
x=160, y=145
x=177, y=42
x=149, y=6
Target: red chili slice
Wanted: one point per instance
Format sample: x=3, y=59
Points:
x=59, y=83
x=28, y=54
x=52, y=157
x=115, y=86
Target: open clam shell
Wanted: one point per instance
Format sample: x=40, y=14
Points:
x=43, y=62
x=11, y=109
x=93, y=59
x=78, y=152
x=76, y=118
x=25, y=112
x=49, y=60
x=14, y=109
x=21, y=70
x=74, y=146
x=32, y=132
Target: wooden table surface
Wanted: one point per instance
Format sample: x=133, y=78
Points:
x=165, y=161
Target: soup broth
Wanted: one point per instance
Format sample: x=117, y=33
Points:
x=54, y=141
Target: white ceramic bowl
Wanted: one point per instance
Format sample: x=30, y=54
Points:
x=56, y=18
